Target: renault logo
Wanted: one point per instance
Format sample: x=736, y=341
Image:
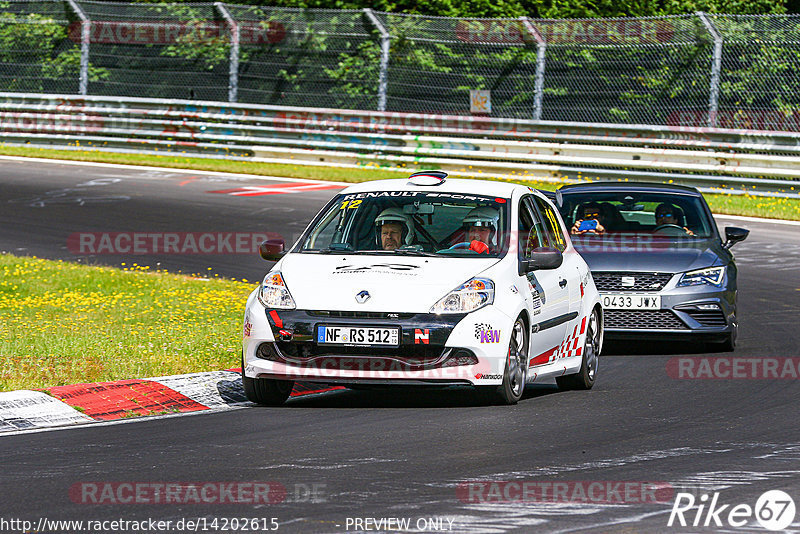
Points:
x=362, y=297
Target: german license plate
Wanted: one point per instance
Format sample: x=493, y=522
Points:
x=631, y=302
x=357, y=335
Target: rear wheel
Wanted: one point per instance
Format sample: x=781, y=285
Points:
x=266, y=391
x=584, y=379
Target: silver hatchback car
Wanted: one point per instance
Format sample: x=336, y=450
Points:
x=657, y=259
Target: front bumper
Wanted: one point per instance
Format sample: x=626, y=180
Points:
x=696, y=312
x=440, y=350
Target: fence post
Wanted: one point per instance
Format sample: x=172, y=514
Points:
x=541, y=48
x=383, y=80
x=86, y=28
x=233, y=76
x=716, y=68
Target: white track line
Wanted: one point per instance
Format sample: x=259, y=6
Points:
x=285, y=179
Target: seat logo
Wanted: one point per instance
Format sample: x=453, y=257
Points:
x=362, y=296
x=628, y=281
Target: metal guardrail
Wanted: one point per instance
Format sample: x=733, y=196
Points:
x=737, y=161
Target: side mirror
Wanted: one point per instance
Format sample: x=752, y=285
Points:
x=272, y=249
x=733, y=235
x=541, y=258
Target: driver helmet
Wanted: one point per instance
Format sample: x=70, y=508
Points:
x=482, y=216
x=395, y=215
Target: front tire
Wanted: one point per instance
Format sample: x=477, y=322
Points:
x=584, y=379
x=266, y=391
x=516, y=368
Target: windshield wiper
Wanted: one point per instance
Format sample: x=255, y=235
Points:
x=399, y=252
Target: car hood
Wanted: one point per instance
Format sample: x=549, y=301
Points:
x=403, y=284
x=648, y=255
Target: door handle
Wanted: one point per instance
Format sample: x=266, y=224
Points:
x=563, y=283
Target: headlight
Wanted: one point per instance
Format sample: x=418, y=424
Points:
x=274, y=293
x=711, y=276
x=470, y=296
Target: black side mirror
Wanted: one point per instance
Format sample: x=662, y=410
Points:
x=272, y=249
x=541, y=258
x=733, y=235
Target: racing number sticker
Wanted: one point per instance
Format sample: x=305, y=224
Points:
x=350, y=204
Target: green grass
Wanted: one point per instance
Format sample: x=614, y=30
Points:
x=748, y=205
x=64, y=323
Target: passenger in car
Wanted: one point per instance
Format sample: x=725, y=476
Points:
x=592, y=220
x=480, y=225
x=394, y=228
x=670, y=214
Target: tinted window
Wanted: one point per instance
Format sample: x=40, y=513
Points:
x=553, y=227
x=635, y=213
x=531, y=230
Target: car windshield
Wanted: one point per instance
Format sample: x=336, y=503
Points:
x=410, y=223
x=655, y=215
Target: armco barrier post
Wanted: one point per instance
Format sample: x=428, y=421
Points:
x=233, y=77
x=86, y=27
x=716, y=67
x=383, y=80
x=541, y=48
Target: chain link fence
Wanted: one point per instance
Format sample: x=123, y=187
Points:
x=732, y=71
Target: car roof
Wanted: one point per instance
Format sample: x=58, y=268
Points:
x=450, y=185
x=622, y=187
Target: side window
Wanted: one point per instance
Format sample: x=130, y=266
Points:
x=531, y=235
x=554, y=229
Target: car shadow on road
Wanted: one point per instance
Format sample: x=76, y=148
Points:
x=408, y=397
x=629, y=347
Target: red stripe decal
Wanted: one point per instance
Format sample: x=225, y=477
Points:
x=276, y=318
x=579, y=351
x=106, y=401
x=543, y=358
x=583, y=325
x=301, y=389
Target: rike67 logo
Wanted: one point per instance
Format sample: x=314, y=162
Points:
x=774, y=510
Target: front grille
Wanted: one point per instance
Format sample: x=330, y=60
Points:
x=708, y=317
x=413, y=354
x=365, y=358
x=612, y=281
x=643, y=319
x=359, y=314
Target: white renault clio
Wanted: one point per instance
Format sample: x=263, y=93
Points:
x=426, y=281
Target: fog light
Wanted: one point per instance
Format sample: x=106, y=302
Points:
x=266, y=351
x=460, y=357
x=707, y=307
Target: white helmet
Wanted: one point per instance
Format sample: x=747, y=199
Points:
x=396, y=215
x=482, y=216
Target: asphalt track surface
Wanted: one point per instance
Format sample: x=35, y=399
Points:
x=404, y=453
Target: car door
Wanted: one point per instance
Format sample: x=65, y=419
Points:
x=546, y=292
x=573, y=269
